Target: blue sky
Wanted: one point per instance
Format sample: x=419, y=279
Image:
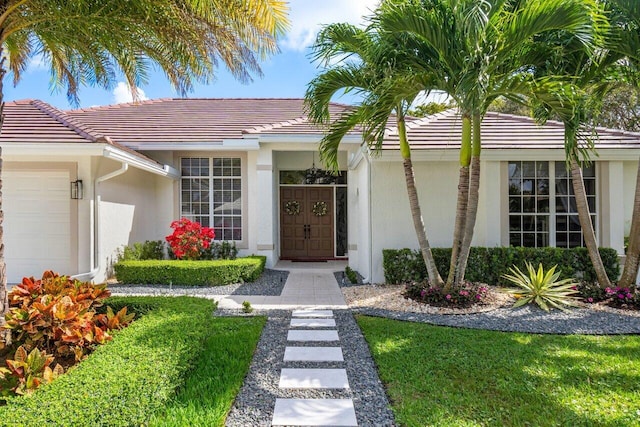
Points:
x=285, y=74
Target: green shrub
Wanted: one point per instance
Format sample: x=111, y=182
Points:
x=487, y=265
x=351, y=275
x=126, y=380
x=150, y=249
x=191, y=273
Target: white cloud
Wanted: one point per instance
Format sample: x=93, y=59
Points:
x=37, y=63
x=122, y=93
x=308, y=16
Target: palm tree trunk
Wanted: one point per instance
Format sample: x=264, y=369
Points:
x=472, y=204
x=416, y=214
x=632, y=261
x=4, y=301
x=463, y=198
x=585, y=223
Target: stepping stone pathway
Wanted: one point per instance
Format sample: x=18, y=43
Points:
x=313, y=412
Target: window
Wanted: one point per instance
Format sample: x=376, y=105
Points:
x=542, y=206
x=211, y=193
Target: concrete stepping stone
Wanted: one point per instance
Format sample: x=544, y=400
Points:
x=312, y=323
x=314, y=412
x=313, y=378
x=312, y=313
x=313, y=354
x=311, y=335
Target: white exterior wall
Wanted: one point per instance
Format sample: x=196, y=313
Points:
x=392, y=226
x=359, y=219
x=630, y=173
x=128, y=212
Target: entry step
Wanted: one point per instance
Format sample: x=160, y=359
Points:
x=314, y=412
x=312, y=323
x=313, y=354
x=311, y=335
x=312, y=313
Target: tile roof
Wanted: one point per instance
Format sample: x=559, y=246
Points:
x=499, y=131
x=179, y=120
x=34, y=121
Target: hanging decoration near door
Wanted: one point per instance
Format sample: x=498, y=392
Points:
x=319, y=208
x=292, y=207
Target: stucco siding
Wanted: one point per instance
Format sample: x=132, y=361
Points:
x=392, y=226
x=629, y=183
x=128, y=213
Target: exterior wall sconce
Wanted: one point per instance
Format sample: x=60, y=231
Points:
x=76, y=189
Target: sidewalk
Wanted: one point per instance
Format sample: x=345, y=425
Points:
x=309, y=285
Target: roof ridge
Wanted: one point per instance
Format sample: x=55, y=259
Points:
x=122, y=104
x=67, y=121
x=271, y=126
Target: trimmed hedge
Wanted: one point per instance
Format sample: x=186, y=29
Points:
x=126, y=380
x=486, y=265
x=190, y=273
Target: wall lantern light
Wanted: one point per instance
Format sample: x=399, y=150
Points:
x=76, y=189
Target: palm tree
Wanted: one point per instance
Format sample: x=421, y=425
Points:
x=371, y=65
x=478, y=46
x=590, y=78
x=629, y=47
x=90, y=42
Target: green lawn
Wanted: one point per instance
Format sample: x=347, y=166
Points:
x=439, y=376
x=217, y=376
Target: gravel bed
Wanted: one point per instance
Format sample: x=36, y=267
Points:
x=270, y=283
x=528, y=318
x=255, y=403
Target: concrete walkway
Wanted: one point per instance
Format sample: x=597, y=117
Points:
x=310, y=285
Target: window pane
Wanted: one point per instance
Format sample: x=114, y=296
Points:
x=515, y=239
x=515, y=204
x=562, y=204
x=528, y=187
x=543, y=187
x=591, y=201
x=528, y=204
x=515, y=170
x=515, y=223
x=543, y=204
x=575, y=240
x=515, y=187
x=529, y=240
x=529, y=169
x=529, y=223
x=542, y=240
x=589, y=171
x=542, y=223
x=562, y=223
x=590, y=186
x=542, y=169
x=561, y=170
x=574, y=223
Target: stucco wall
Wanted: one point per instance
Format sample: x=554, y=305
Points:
x=629, y=183
x=128, y=213
x=392, y=226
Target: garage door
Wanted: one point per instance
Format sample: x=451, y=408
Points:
x=37, y=231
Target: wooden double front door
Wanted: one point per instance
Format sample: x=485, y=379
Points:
x=306, y=223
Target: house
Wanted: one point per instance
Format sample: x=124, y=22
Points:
x=249, y=168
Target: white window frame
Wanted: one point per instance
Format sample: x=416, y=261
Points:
x=553, y=213
x=211, y=178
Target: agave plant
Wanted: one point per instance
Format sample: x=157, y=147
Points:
x=542, y=288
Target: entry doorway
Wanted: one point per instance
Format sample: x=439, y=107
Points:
x=307, y=223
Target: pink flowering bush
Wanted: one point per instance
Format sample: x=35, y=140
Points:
x=460, y=296
x=624, y=297
x=189, y=239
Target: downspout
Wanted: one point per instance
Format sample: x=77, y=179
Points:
x=369, y=215
x=95, y=224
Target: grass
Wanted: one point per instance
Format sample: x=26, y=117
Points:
x=439, y=376
x=213, y=383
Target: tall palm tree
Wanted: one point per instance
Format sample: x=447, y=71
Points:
x=478, y=46
x=92, y=41
x=590, y=78
x=363, y=61
x=628, y=12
